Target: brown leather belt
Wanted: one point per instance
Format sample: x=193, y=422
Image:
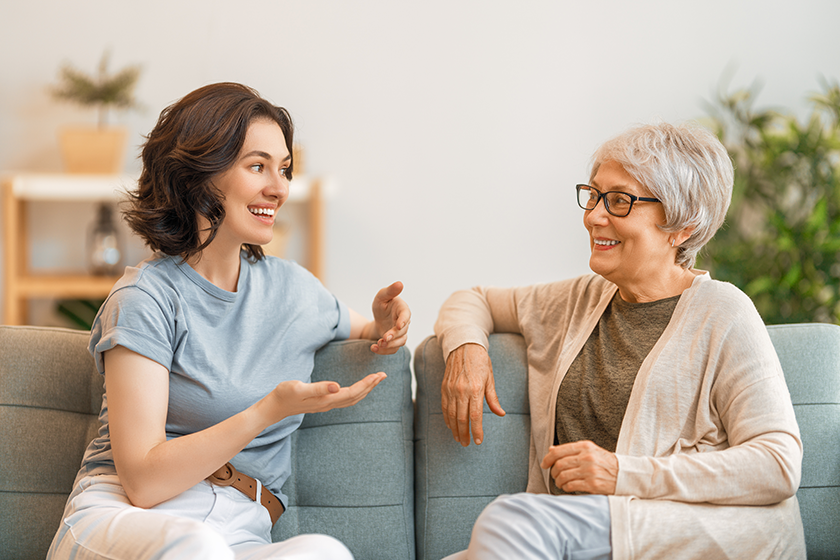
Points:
x=227, y=475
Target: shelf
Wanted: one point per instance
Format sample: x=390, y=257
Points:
x=61, y=186
x=21, y=284
x=65, y=286
x=57, y=186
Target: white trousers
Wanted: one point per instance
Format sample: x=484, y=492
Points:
x=206, y=521
x=541, y=527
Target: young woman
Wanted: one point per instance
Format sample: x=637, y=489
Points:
x=207, y=349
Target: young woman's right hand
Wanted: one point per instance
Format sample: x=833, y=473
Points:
x=296, y=397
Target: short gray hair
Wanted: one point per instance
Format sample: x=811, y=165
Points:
x=686, y=167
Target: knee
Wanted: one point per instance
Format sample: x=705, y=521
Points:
x=317, y=547
x=505, y=509
x=192, y=539
x=334, y=549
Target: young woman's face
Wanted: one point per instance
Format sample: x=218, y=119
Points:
x=255, y=187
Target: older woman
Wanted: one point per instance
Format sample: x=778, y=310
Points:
x=661, y=425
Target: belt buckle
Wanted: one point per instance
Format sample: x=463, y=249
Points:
x=224, y=476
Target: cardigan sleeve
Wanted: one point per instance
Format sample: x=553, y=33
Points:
x=470, y=316
x=734, y=437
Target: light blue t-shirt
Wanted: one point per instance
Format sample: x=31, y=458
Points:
x=224, y=350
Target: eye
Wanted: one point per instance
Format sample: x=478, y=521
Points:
x=284, y=171
x=258, y=167
x=618, y=199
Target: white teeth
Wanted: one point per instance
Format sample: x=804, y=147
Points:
x=262, y=211
x=605, y=242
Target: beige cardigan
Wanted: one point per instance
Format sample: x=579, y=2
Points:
x=709, y=451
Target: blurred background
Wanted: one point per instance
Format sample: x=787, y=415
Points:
x=449, y=134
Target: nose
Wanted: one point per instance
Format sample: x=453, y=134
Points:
x=598, y=215
x=277, y=186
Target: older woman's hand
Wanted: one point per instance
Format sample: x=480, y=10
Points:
x=582, y=466
x=467, y=381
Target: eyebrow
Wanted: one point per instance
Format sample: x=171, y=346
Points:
x=265, y=155
x=599, y=187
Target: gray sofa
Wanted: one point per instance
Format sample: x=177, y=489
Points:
x=453, y=484
x=352, y=474
x=385, y=477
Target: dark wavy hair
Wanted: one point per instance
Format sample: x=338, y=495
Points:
x=195, y=139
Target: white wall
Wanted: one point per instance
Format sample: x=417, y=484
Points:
x=454, y=130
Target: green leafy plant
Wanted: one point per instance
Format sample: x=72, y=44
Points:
x=102, y=91
x=781, y=240
x=79, y=313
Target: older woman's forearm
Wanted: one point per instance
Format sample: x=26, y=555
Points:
x=763, y=471
x=463, y=318
x=470, y=316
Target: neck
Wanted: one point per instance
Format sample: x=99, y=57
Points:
x=672, y=283
x=218, y=267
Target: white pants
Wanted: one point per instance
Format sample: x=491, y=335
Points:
x=206, y=521
x=541, y=527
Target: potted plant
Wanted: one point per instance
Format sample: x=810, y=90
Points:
x=99, y=149
x=781, y=240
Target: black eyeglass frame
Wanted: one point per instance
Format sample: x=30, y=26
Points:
x=601, y=195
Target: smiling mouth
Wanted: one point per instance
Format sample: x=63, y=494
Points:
x=605, y=242
x=262, y=212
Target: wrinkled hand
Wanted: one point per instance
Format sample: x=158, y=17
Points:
x=582, y=466
x=296, y=397
x=467, y=381
x=391, y=317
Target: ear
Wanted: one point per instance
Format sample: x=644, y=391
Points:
x=682, y=236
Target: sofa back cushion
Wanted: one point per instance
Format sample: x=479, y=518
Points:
x=810, y=357
x=50, y=396
x=453, y=483
x=353, y=468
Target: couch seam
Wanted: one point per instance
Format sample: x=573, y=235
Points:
x=333, y=506
x=425, y=457
x=350, y=424
x=35, y=407
x=39, y=492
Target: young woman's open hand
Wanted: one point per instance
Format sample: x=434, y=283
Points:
x=296, y=397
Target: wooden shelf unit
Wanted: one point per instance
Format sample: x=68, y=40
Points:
x=20, y=283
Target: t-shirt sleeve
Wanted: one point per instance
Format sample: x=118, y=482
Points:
x=333, y=314
x=132, y=318
x=342, y=329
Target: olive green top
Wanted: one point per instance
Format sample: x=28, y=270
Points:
x=593, y=396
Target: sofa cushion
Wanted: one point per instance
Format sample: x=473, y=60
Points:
x=454, y=483
x=50, y=396
x=355, y=480
x=810, y=357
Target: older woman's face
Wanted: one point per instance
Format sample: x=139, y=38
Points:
x=631, y=252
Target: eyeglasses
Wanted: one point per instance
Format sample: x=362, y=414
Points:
x=616, y=203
